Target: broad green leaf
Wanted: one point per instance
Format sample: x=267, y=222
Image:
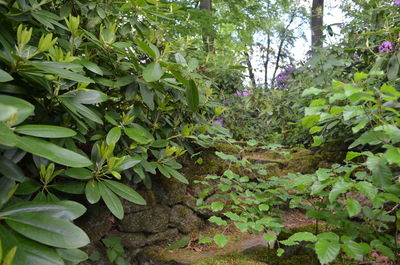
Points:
x=352, y=155
x=92, y=191
x=52, y=152
x=369, y=137
x=113, y=135
x=381, y=173
x=28, y=187
x=220, y=240
x=73, y=255
x=340, y=187
x=72, y=187
x=5, y=77
x=67, y=210
x=53, y=68
x=263, y=207
x=125, y=192
x=111, y=200
x=9, y=169
x=356, y=250
x=326, y=250
x=393, y=67
x=7, y=112
x=45, y=131
x=91, y=66
x=176, y=175
x=137, y=135
x=205, y=240
x=146, y=48
x=56, y=232
x=9, y=257
x=86, y=97
x=311, y=91
x=353, y=207
x=24, y=108
x=360, y=76
x=152, y=72
x=128, y=162
x=367, y=188
x=270, y=238
x=192, y=96
x=29, y=252
x=310, y=121
x=7, y=136
x=180, y=243
x=78, y=173
x=302, y=236
x=217, y=220
x=217, y=206
x=392, y=155
x=147, y=95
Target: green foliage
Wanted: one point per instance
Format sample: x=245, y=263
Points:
x=95, y=98
x=115, y=251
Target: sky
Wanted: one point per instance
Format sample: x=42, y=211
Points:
x=332, y=15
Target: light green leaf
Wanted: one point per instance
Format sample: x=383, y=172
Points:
x=310, y=121
x=113, y=135
x=217, y=220
x=392, y=155
x=180, y=243
x=24, y=108
x=152, y=72
x=52, y=152
x=92, y=191
x=352, y=155
x=137, y=135
x=270, y=238
x=353, y=207
x=78, y=173
x=381, y=173
x=73, y=255
x=56, y=232
x=45, y=131
x=217, y=206
x=356, y=250
x=327, y=251
x=367, y=188
x=5, y=77
x=220, y=240
x=311, y=91
x=91, y=66
x=111, y=200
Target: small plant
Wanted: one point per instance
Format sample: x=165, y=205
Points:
x=115, y=251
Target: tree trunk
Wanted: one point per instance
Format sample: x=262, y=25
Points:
x=317, y=15
x=279, y=55
x=266, y=63
x=208, y=39
x=250, y=69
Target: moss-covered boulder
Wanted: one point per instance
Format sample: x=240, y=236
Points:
x=183, y=218
x=153, y=220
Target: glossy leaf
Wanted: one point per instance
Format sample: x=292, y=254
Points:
x=192, y=96
x=111, y=200
x=92, y=191
x=56, y=232
x=152, y=72
x=113, y=135
x=125, y=192
x=45, y=131
x=24, y=108
x=52, y=152
x=78, y=173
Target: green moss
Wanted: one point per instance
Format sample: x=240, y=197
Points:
x=228, y=148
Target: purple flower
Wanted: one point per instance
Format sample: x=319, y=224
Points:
x=357, y=58
x=386, y=46
x=340, y=25
x=397, y=2
x=219, y=121
x=245, y=93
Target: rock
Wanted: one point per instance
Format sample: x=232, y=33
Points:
x=153, y=220
x=169, y=191
x=168, y=236
x=190, y=202
x=184, y=219
x=148, y=195
x=130, y=240
x=96, y=222
x=255, y=250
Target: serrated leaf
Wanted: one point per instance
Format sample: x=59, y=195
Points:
x=217, y=206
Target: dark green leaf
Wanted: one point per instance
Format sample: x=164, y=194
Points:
x=113, y=135
x=78, y=173
x=45, y=131
x=125, y=192
x=111, y=200
x=52, y=152
x=5, y=77
x=92, y=191
x=56, y=232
